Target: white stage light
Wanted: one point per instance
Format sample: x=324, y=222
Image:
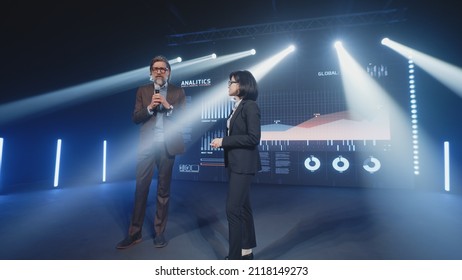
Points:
x=385, y=41
x=57, y=162
x=104, y=160
x=448, y=74
x=175, y=60
x=447, y=183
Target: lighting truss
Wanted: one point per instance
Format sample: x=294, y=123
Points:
x=348, y=20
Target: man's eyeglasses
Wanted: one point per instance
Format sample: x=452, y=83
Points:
x=160, y=69
x=232, y=82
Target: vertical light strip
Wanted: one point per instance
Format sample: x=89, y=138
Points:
x=1, y=155
x=57, y=163
x=414, y=119
x=104, y=160
x=447, y=185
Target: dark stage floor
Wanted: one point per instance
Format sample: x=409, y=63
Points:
x=292, y=223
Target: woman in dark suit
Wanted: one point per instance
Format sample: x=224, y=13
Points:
x=242, y=159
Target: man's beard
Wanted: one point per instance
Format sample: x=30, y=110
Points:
x=159, y=81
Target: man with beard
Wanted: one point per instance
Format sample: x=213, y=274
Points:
x=157, y=107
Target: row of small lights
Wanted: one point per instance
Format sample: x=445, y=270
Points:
x=414, y=119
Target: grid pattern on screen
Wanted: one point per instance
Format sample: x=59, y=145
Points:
x=294, y=106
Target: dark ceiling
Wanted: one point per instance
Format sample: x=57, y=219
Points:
x=51, y=44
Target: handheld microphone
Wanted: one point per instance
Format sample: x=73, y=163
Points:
x=156, y=88
x=158, y=82
x=157, y=91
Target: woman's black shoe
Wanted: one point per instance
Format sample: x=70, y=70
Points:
x=245, y=257
x=248, y=257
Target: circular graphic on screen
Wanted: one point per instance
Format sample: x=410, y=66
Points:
x=340, y=164
x=371, y=165
x=312, y=163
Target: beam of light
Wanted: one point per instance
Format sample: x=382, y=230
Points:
x=194, y=61
x=206, y=63
x=216, y=97
x=369, y=103
x=57, y=162
x=175, y=60
x=74, y=95
x=447, y=185
x=263, y=68
x=365, y=98
x=104, y=160
x=70, y=96
x=448, y=74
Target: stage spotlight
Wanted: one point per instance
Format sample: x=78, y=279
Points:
x=57, y=162
x=203, y=64
x=260, y=70
x=447, y=74
x=196, y=61
x=253, y=51
x=337, y=44
x=175, y=60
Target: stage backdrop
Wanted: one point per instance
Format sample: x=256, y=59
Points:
x=309, y=134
